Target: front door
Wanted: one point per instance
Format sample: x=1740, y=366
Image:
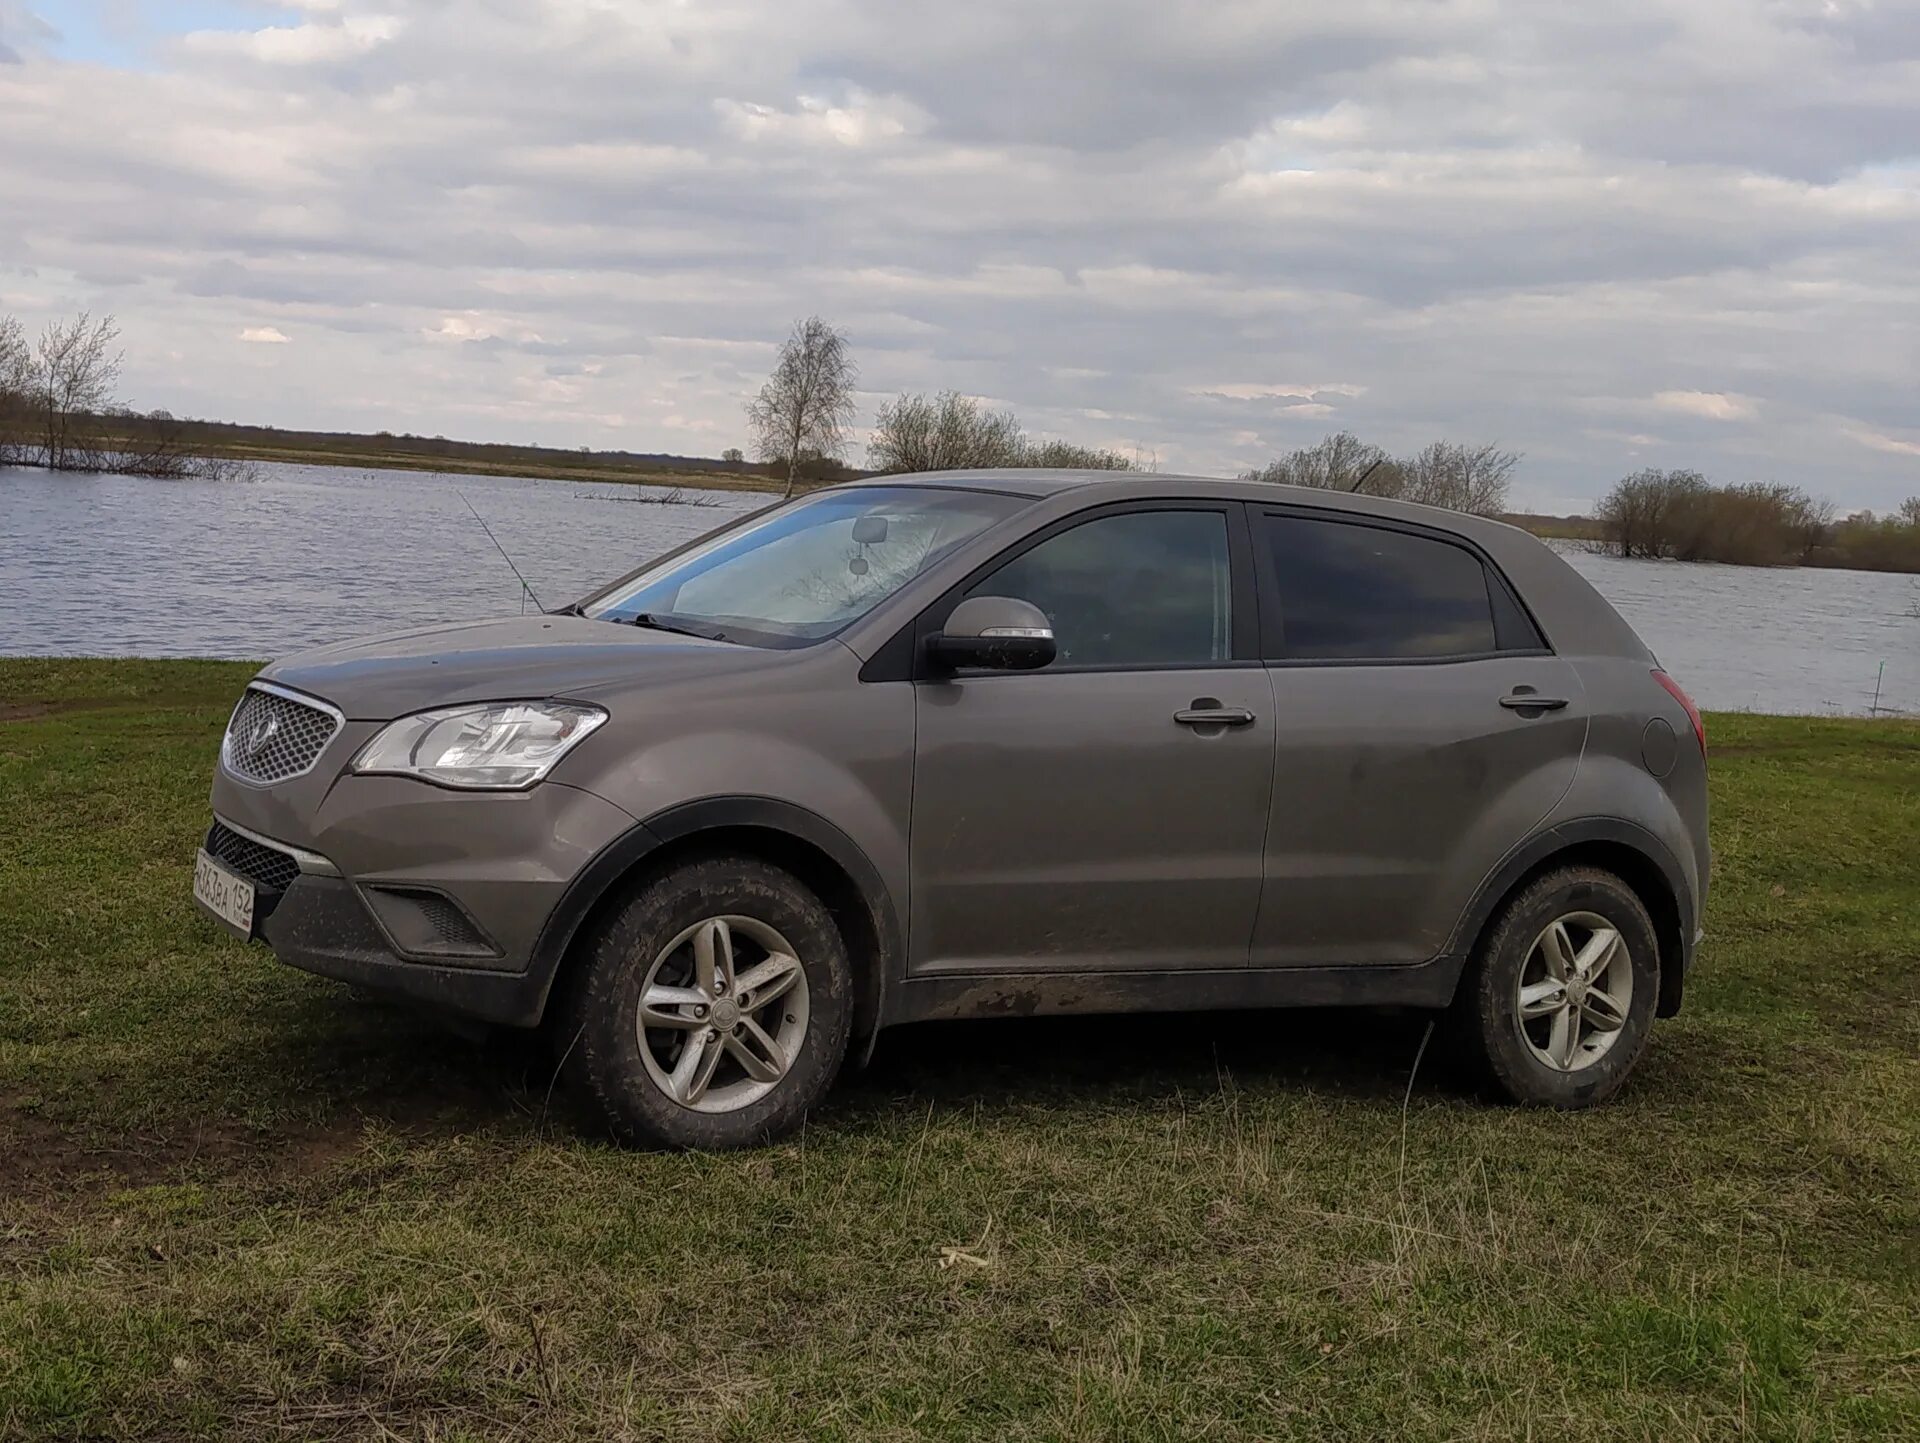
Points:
x=1106, y=812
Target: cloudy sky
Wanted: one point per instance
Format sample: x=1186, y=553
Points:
x=1607, y=235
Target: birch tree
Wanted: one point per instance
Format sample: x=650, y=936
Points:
x=806, y=405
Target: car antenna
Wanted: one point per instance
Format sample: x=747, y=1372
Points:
x=503, y=555
x=1366, y=473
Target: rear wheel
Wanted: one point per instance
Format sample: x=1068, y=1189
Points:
x=713, y=1010
x=1558, y=1004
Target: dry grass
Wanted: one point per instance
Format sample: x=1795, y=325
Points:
x=238, y=1202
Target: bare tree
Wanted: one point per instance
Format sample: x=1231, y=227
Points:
x=1340, y=462
x=1635, y=515
x=1067, y=456
x=154, y=445
x=74, y=370
x=16, y=390
x=808, y=401
x=733, y=455
x=951, y=431
x=942, y=433
x=1461, y=478
x=1809, y=520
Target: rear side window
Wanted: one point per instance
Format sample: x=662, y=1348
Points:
x=1350, y=592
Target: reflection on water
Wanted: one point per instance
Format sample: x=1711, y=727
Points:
x=109, y=565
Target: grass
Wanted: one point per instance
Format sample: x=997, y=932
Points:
x=239, y=1202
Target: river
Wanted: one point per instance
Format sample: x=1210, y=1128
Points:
x=120, y=566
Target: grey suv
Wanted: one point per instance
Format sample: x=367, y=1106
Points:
x=991, y=743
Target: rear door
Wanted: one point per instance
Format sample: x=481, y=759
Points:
x=1422, y=728
x=1107, y=811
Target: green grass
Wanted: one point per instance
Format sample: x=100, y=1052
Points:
x=236, y=1201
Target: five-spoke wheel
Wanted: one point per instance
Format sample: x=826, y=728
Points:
x=1574, y=991
x=1558, y=1001
x=723, y=1013
x=713, y=1007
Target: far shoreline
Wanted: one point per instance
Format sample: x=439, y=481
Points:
x=436, y=456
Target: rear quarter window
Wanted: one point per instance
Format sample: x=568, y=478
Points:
x=1347, y=591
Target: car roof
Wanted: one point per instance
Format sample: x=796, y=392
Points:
x=1119, y=485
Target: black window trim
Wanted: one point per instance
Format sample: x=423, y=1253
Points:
x=1272, y=619
x=904, y=656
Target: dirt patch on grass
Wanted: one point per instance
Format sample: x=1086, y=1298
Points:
x=39, y=1156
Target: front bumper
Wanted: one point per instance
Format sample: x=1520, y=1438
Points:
x=403, y=887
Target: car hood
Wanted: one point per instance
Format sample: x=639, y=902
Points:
x=517, y=658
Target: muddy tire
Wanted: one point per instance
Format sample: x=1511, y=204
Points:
x=712, y=1010
x=1558, y=1003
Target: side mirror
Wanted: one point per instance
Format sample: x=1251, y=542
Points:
x=999, y=633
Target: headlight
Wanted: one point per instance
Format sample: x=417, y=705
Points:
x=494, y=746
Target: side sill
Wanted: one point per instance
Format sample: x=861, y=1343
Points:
x=925, y=999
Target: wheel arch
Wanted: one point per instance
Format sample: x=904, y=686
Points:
x=1631, y=853
x=824, y=859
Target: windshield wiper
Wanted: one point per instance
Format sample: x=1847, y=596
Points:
x=657, y=621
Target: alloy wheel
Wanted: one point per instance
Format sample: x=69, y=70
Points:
x=723, y=1014
x=1574, y=991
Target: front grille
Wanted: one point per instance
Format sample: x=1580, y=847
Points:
x=260, y=864
x=273, y=738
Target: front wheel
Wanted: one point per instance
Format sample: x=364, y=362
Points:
x=1558, y=1004
x=713, y=1009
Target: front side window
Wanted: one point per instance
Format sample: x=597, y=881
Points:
x=1142, y=588
x=803, y=572
x=1350, y=592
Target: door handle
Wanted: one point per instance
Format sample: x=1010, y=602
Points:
x=1209, y=713
x=1531, y=701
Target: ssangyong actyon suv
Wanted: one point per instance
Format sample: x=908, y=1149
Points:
x=995, y=742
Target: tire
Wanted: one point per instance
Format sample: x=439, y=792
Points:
x=643, y=1081
x=1600, y=1027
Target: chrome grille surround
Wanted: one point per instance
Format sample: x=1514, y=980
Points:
x=276, y=735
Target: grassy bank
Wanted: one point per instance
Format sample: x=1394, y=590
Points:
x=239, y=1202
x=260, y=444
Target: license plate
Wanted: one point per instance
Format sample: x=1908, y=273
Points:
x=227, y=895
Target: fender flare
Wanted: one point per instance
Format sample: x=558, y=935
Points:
x=1542, y=846
x=627, y=851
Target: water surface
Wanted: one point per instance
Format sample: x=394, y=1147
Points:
x=120, y=566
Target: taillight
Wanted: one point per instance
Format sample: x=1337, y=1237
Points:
x=1693, y=712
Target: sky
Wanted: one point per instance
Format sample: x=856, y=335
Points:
x=1203, y=232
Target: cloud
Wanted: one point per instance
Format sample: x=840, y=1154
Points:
x=1892, y=445
x=1659, y=232
x=1713, y=405
x=307, y=44
x=21, y=32
x=1256, y=391
x=264, y=335
x=860, y=121
x=473, y=328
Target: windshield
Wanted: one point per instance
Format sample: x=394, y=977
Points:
x=803, y=572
